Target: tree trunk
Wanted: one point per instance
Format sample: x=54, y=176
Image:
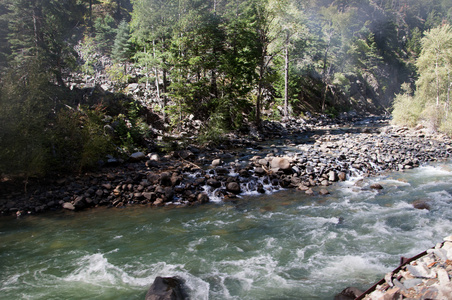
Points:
x=286, y=83
x=156, y=71
x=37, y=25
x=259, y=93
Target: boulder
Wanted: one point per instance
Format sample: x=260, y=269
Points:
x=421, y=204
x=349, y=293
x=79, y=202
x=165, y=179
x=216, y=162
x=167, y=288
x=376, y=186
x=203, y=198
x=280, y=163
x=137, y=156
x=213, y=183
x=233, y=187
x=68, y=206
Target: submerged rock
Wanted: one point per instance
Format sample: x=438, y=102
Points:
x=421, y=204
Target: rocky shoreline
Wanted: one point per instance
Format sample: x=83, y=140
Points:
x=424, y=276
x=308, y=156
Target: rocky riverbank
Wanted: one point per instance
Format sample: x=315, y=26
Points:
x=308, y=156
x=425, y=276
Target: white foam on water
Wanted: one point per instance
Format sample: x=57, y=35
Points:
x=192, y=245
x=96, y=270
x=211, y=193
x=348, y=266
x=428, y=171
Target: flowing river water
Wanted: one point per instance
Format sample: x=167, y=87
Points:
x=284, y=245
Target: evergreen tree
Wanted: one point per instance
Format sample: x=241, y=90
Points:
x=121, y=47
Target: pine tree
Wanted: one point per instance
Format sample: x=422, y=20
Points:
x=121, y=47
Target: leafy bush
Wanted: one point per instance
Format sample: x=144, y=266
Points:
x=406, y=111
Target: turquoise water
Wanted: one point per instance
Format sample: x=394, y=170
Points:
x=284, y=245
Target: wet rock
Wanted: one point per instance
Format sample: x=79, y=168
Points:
x=167, y=288
x=376, y=186
x=324, y=192
x=342, y=176
x=349, y=293
x=233, y=187
x=213, y=183
x=203, y=198
x=421, y=204
x=259, y=171
x=309, y=192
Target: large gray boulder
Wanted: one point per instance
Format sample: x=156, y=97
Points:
x=280, y=163
x=167, y=288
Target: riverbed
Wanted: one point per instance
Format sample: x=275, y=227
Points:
x=282, y=245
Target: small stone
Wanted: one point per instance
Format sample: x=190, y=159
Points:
x=302, y=187
x=259, y=171
x=412, y=283
x=420, y=271
x=68, y=206
x=332, y=176
x=324, y=192
x=137, y=156
x=393, y=294
x=216, y=162
x=342, y=176
x=309, y=192
x=443, y=277
x=203, y=198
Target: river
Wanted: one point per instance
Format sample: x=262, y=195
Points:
x=284, y=245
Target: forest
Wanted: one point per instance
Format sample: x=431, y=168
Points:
x=84, y=80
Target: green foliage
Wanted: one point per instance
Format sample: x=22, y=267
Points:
x=214, y=130
x=117, y=74
x=406, y=111
x=39, y=136
x=121, y=47
x=130, y=128
x=23, y=111
x=105, y=33
x=78, y=141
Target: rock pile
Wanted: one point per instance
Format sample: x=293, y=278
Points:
x=309, y=160
x=427, y=276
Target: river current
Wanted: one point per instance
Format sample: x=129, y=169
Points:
x=283, y=245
